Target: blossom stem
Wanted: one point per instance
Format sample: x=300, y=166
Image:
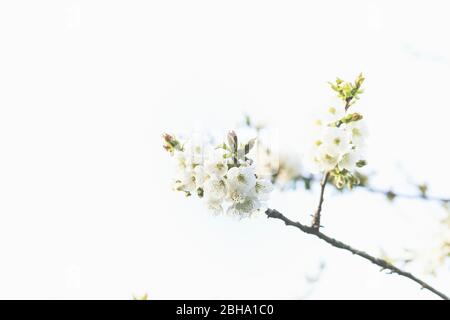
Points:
x=272, y=213
x=316, y=217
x=347, y=104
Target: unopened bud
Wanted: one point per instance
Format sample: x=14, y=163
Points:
x=340, y=181
x=390, y=195
x=232, y=140
x=361, y=163
x=170, y=143
x=351, y=118
x=356, y=116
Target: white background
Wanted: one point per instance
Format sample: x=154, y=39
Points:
x=88, y=87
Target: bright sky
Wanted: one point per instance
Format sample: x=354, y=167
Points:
x=87, y=88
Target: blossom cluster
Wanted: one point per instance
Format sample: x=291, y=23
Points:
x=223, y=175
x=339, y=141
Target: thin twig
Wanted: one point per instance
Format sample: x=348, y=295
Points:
x=271, y=213
x=347, y=104
x=388, y=193
x=316, y=218
x=393, y=194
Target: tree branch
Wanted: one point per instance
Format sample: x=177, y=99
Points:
x=271, y=213
x=316, y=218
x=394, y=194
x=388, y=193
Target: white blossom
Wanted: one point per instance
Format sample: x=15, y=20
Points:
x=242, y=179
x=195, y=153
x=334, y=113
x=358, y=132
x=217, y=165
x=245, y=207
x=349, y=160
x=215, y=206
x=263, y=188
x=331, y=115
x=187, y=181
x=215, y=189
x=338, y=143
x=199, y=176
x=336, y=138
x=328, y=156
x=180, y=160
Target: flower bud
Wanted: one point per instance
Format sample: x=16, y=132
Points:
x=361, y=163
x=353, y=117
x=356, y=116
x=170, y=143
x=232, y=140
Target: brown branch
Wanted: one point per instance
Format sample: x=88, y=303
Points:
x=393, y=194
x=271, y=213
x=316, y=217
x=388, y=193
